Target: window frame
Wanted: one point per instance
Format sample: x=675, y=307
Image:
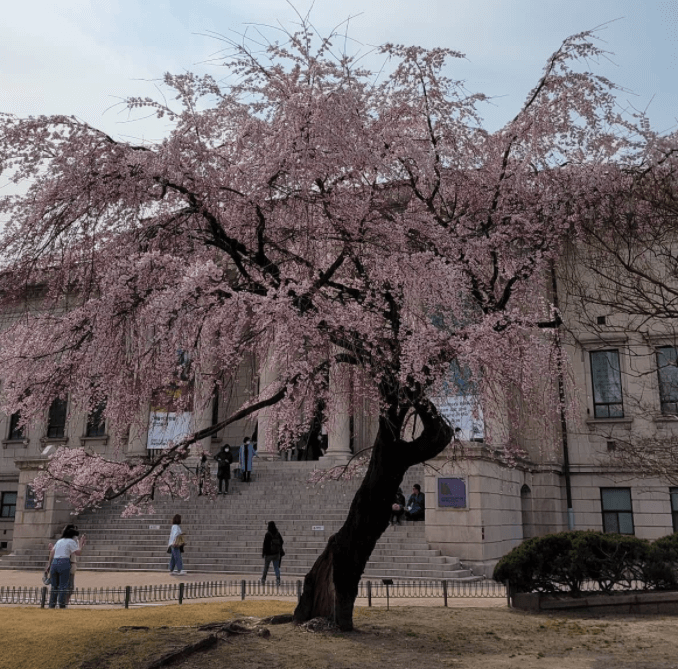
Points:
x=5, y=505
x=57, y=430
x=662, y=401
x=14, y=433
x=616, y=512
x=674, y=511
x=96, y=430
x=593, y=386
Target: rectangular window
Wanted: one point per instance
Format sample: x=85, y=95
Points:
x=668, y=379
x=31, y=502
x=674, y=507
x=56, y=421
x=96, y=422
x=617, y=510
x=607, y=388
x=215, y=406
x=8, y=505
x=16, y=432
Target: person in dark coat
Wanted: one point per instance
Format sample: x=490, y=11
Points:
x=416, y=505
x=272, y=551
x=398, y=507
x=224, y=460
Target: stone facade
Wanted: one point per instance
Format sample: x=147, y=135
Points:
x=501, y=505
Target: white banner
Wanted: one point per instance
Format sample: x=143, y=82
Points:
x=464, y=414
x=166, y=428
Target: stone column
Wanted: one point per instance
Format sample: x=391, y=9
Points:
x=136, y=446
x=267, y=429
x=35, y=527
x=202, y=417
x=339, y=417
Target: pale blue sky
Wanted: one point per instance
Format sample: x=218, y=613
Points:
x=80, y=56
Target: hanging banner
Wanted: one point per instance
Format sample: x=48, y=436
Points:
x=166, y=428
x=464, y=415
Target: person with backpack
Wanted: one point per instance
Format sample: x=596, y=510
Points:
x=224, y=460
x=272, y=551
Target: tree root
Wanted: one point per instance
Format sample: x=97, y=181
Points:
x=184, y=652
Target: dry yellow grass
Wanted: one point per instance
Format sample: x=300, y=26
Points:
x=35, y=638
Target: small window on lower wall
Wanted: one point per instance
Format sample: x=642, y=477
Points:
x=617, y=510
x=8, y=505
x=674, y=507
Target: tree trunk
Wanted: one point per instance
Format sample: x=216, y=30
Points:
x=331, y=587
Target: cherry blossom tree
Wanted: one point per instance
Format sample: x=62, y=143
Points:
x=317, y=218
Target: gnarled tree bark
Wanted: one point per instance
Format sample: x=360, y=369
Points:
x=331, y=587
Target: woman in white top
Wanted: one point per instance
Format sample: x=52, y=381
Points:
x=59, y=566
x=176, y=559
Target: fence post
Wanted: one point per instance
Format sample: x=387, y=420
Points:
x=507, y=583
x=298, y=591
x=369, y=593
x=445, y=592
x=242, y=590
x=181, y=593
x=128, y=593
x=43, y=596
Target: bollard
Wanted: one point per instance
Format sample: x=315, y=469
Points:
x=242, y=590
x=181, y=593
x=128, y=593
x=508, y=593
x=369, y=593
x=43, y=596
x=298, y=591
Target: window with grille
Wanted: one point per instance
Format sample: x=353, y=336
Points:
x=668, y=379
x=96, y=422
x=607, y=387
x=8, y=505
x=617, y=510
x=16, y=431
x=56, y=420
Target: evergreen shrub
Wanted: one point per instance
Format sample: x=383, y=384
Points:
x=568, y=561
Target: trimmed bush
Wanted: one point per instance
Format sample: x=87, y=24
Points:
x=563, y=562
x=661, y=570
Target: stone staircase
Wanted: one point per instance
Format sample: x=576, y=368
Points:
x=225, y=535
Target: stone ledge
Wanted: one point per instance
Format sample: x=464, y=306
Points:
x=623, y=602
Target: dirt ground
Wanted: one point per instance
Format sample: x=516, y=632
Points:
x=404, y=637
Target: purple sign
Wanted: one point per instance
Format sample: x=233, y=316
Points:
x=452, y=493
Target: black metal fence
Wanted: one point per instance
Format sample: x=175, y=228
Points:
x=179, y=592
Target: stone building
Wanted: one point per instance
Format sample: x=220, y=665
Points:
x=621, y=383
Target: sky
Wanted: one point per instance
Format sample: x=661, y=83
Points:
x=82, y=57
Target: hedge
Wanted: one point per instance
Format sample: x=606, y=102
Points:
x=572, y=561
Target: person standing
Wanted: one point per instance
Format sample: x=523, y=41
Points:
x=247, y=452
x=202, y=471
x=74, y=561
x=59, y=566
x=224, y=460
x=175, y=546
x=272, y=551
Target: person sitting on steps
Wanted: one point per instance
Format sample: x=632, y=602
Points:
x=416, y=506
x=398, y=507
